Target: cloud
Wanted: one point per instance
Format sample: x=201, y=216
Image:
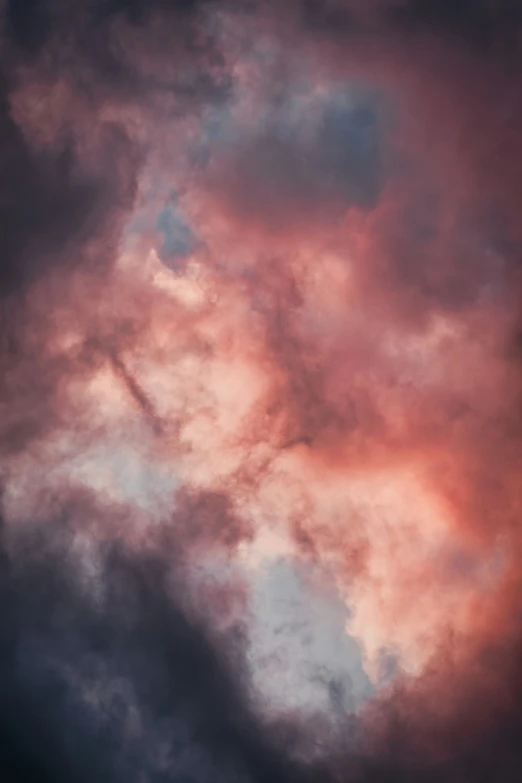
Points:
x=270, y=422
x=312, y=157
x=128, y=689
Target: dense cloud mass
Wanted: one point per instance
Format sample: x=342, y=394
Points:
x=260, y=391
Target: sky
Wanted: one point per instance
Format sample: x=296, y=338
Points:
x=260, y=391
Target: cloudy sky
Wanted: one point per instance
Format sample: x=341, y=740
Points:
x=260, y=391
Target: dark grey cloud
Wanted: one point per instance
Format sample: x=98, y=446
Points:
x=53, y=199
x=479, y=25
x=127, y=689
x=124, y=683
x=49, y=206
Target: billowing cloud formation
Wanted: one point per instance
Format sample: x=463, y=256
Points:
x=260, y=390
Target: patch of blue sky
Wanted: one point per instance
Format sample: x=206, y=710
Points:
x=310, y=143
x=177, y=238
x=174, y=236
